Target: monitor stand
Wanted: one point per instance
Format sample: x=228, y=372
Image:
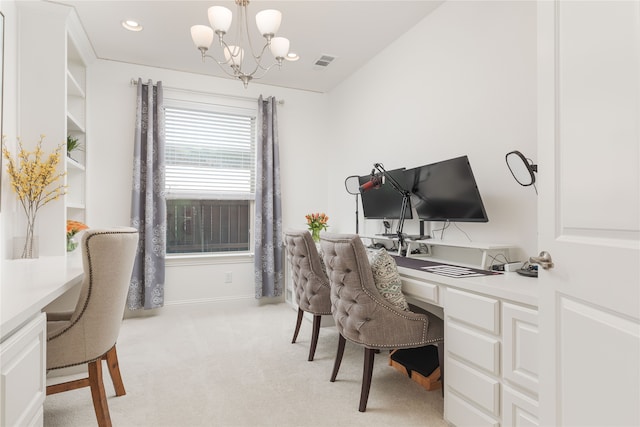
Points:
x=420, y=236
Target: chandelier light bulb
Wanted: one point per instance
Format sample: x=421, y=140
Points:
x=220, y=18
x=202, y=36
x=279, y=47
x=268, y=22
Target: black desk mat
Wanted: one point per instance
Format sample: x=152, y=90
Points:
x=449, y=270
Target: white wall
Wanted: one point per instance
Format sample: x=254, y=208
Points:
x=462, y=81
x=8, y=202
x=111, y=119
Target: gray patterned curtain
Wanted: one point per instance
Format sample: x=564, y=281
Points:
x=268, y=226
x=148, y=205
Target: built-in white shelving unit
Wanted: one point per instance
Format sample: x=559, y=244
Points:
x=54, y=103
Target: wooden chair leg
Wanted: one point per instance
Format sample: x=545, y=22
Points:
x=314, y=335
x=298, y=323
x=336, y=364
x=97, y=393
x=367, y=372
x=114, y=370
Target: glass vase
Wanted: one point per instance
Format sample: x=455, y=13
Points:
x=315, y=234
x=26, y=247
x=72, y=243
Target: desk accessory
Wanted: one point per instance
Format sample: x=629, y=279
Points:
x=529, y=271
x=376, y=181
x=352, y=185
x=521, y=168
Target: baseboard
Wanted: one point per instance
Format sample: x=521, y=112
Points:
x=209, y=300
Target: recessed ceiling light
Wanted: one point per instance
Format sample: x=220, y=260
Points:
x=292, y=56
x=132, y=25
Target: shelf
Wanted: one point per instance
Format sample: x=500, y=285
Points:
x=74, y=164
x=73, y=124
x=75, y=205
x=472, y=254
x=73, y=87
x=462, y=244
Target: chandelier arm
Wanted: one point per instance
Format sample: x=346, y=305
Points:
x=264, y=69
x=221, y=64
x=232, y=56
x=259, y=57
x=246, y=26
x=239, y=40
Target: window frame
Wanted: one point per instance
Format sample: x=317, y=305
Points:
x=177, y=98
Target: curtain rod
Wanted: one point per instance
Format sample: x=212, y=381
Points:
x=134, y=82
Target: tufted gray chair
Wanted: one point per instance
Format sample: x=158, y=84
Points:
x=363, y=316
x=88, y=334
x=311, y=285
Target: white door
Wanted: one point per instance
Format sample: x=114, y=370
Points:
x=589, y=212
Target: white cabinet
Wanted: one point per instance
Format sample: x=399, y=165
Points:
x=491, y=361
x=520, y=350
x=519, y=410
x=472, y=359
x=52, y=92
x=23, y=374
x=520, y=365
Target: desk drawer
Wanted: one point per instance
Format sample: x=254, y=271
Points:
x=421, y=290
x=479, y=388
x=480, y=311
x=473, y=347
x=461, y=413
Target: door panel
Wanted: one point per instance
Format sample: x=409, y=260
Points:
x=589, y=211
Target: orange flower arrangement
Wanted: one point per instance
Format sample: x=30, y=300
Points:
x=317, y=222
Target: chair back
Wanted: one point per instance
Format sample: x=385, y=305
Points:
x=108, y=257
x=361, y=313
x=311, y=284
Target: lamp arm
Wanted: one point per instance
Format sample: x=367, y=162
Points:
x=405, y=200
x=395, y=184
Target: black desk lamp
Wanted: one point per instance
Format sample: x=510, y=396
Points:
x=376, y=181
x=352, y=184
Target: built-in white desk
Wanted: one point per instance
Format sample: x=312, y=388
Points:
x=491, y=343
x=26, y=287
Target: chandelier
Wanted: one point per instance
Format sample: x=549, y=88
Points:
x=235, y=62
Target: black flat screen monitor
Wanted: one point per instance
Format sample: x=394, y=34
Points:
x=446, y=191
x=385, y=202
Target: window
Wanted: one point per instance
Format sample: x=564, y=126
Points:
x=210, y=177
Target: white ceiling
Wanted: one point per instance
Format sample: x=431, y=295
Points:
x=353, y=31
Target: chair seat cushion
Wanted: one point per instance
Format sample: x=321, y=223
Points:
x=387, y=278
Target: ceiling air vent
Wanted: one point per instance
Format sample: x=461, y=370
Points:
x=323, y=62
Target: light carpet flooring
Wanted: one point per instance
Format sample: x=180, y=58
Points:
x=233, y=364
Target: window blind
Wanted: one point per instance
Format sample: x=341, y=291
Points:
x=209, y=155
